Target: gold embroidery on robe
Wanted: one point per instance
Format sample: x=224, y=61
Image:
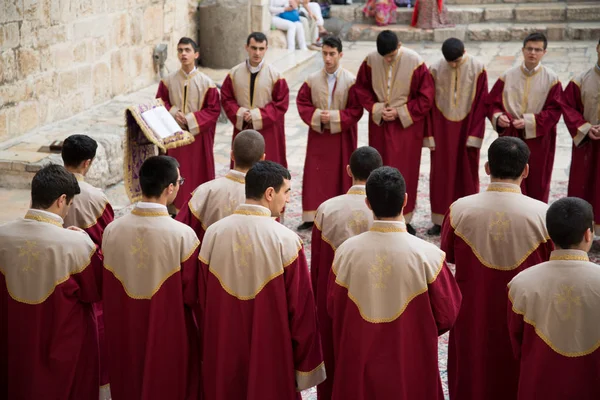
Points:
x=192, y=99
x=319, y=90
x=526, y=93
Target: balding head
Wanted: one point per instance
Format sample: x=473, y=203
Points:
x=248, y=148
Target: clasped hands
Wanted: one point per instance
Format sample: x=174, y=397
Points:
x=504, y=122
x=389, y=114
x=180, y=118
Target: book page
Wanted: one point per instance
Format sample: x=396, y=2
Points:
x=161, y=122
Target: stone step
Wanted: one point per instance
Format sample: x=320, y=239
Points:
x=496, y=32
x=489, y=13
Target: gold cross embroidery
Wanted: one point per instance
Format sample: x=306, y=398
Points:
x=244, y=248
x=140, y=251
x=499, y=226
x=358, y=223
x=230, y=207
x=31, y=254
x=565, y=296
x=379, y=271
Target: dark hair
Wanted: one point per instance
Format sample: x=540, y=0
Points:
x=507, y=157
x=248, y=148
x=453, y=49
x=77, y=149
x=187, y=40
x=536, y=37
x=385, y=191
x=258, y=37
x=567, y=221
x=387, y=42
x=363, y=161
x=156, y=174
x=51, y=182
x=333, y=42
x=263, y=175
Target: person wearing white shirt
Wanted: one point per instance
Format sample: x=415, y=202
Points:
x=294, y=30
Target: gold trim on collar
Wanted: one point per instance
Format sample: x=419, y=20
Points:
x=357, y=191
x=235, y=178
x=502, y=189
x=568, y=257
x=143, y=213
x=257, y=213
x=387, y=229
x=41, y=218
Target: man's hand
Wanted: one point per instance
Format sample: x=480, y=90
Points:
x=519, y=123
x=180, y=118
x=325, y=117
x=503, y=121
x=390, y=114
x=247, y=116
x=594, y=132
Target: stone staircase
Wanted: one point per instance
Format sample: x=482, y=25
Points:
x=486, y=20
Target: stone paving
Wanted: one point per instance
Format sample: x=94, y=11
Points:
x=566, y=58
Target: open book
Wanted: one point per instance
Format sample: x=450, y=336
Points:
x=161, y=122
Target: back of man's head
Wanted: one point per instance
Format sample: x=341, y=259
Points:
x=387, y=42
x=263, y=175
x=77, y=149
x=156, y=174
x=453, y=49
x=567, y=220
x=385, y=191
x=248, y=148
x=51, y=182
x=363, y=161
x=507, y=158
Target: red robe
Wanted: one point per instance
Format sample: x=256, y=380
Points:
x=260, y=336
x=390, y=296
x=268, y=107
x=400, y=141
x=458, y=126
x=196, y=160
x=537, y=99
x=580, y=111
x=553, y=314
x=49, y=278
x=329, y=147
x=480, y=361
x=150, y=289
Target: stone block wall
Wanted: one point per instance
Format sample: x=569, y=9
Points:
x=60, y=57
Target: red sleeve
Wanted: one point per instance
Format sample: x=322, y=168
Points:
x=572, y=108
x=495, y=105
x=479, y=110
x=515, y=329
x=189, y=278
x=422, y=93
x=364, y=87
x=546, y=120
x=186, y=216
x=230, y=105
x=447, y=238
x=89, y=280
x=208, y=115
x=445, y=299
x=278, y=106
x=315, y=256
x=95, y=231
x=306, y=109
x=3, y=335
x=302, y=314
x=353, y=111
x=163, y=94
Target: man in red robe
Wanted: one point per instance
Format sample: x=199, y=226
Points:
x=256, y=96
x=395, y=86
x=327, y=103
x=91, y=212
x=580, y=110
x=257, y=311
x=49, y=278
x=217, y=199
x=338, y=219
x=525, y=102
x=193, y=100
x=458, y=125
x=491, y=237
x=554, y=309
x=150, y=290
x=390, y=296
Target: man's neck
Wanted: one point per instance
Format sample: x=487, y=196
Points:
x=188, y=68
x=583, y=246
x=356, y=182
x=334, y=69
x=511, y=181
x=242, y=170
x=531, y=67
x=260, y=202
x=156, y=200
x=80, y=171
x=398, y=218
x=51, y=210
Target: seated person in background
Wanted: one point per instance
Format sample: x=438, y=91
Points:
x=285, y=17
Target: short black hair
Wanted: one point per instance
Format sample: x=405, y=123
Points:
x=263, y=175
x=190, y=41
x=248, y=148
x=387, y=42
x=156, y=174
x=333, y=42
x=567, y=221
x=258, y=37
x=507, y=157
x=77, y=149
x=363, y=161
x=453, y=49
x=385, y=191
x=536, y=37
x=51, y=182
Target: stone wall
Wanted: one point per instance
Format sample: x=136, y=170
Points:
x=60, y=57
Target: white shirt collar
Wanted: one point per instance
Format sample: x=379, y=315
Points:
x=50, y=214
x=334, y=74
x=143, y=204
x=533, y=70
x=256, y=69
x=191, y=72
